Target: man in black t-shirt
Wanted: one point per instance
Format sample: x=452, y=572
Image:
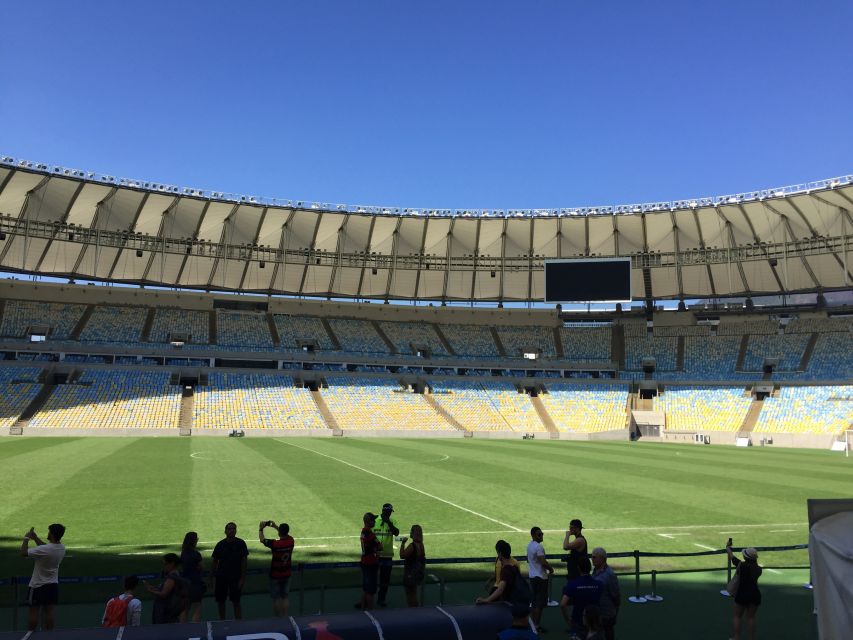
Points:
x=229, y=570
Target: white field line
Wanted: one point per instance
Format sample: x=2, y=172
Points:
x=703, y=546
x=203, y=543
x=728, y=533
x=404, y=485
x=672, y=535
x=774, y=571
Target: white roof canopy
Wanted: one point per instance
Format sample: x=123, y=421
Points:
x=100, y=228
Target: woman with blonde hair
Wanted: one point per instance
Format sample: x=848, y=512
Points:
x=414, y=564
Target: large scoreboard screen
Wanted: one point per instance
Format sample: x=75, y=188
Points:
x=588, y=280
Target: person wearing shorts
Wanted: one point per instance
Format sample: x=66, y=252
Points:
x=370, y=548
x=229, y=570
x=43, y=593
x=280, y=565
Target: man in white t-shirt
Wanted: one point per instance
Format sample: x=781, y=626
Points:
x=538, y=569
x=44, y=583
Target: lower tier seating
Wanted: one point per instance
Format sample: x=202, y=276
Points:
x=587, y=408
x=808, y=410
x=704, y=408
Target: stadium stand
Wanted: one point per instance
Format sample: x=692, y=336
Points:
x=358, y=336
x=243, y=330
x=18, y=315
x=743, y=327
x=107, y=399
x=376, y=404
x=707, y=408
x=787, y=348
x=830, y=359
x=663, y=350
x=477, y=406
x=586, y=344
x=516, y=340
x=586, y=408
x=405, y=335
x=254, y=401
x=820, y=410
x=681, y=330
x=114, y=325
x=470, y=340
x=195, y=324
x=819, y=325
x=19, y=386
x=292, y=329
x=711, y=358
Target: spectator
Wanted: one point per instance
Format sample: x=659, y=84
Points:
x=43, y=593
x=280, y=564
x=538, y=569
x=509, y=574
x=229, y=569
x=611, y=597
x=492, y=583
x=576, y=548
x=125, y=610
x=414, y=564
x=370, y=548
x=192, y=570
x=592, y=622
x=169, y=602
x=747, y=596
x=385, y=531
x=579, y=593
x=520, y=628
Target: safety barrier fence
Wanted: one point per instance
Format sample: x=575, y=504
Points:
x=17, y=585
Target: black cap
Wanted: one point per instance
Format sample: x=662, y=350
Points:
x=387, y=507
x=369, y=516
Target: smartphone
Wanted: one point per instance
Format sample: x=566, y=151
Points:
x=729, y=542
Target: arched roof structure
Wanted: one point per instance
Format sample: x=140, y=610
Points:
x=69, y=223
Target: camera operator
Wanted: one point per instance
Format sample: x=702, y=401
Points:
x=280, y=565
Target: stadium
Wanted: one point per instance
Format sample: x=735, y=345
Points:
x=409, y=355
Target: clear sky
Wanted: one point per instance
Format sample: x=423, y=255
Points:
x=440, y=103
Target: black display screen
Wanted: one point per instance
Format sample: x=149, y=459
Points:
x=588, y=280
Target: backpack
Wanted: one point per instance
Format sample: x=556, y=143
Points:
x=115, y=614
x=179, y=598
x=521, y=592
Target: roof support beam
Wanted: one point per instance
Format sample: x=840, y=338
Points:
x=476, y=259
x=529, y=269
x=93, y=226
x=677, y=242
x=187, y=256
x=255, y=238
x=732, y=244
x=503, y=261
x=770, y=262
x=815, y=234
x=223, y=247
x=23, y=214
x=392, y=271
x=339, y=249
x=161, y=239
x=424, y=260
x=702, y=244
x=282, y=251
x=447, y=262
x=365, y=255
x=130, y=230
x=310, y=253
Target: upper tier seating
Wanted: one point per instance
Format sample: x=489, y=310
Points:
x=420, y=334
x=245, y=329
x=663, y=350
x=819, y=325
x=821, y=410
x=372, y=404
x=586, y=407
x=18, y=388
x=787, y=348
x=831, y=358
x=306, y=328
x=516, y=340
x=636, y=328
x=358, y=336
x=704, y=407
x=114, y=324
x=682, y=330
x=743, y=327
x=586, y=344
x=104, y=399
x=470, y=340
x=167, y=321
x=254, y=401
x=711, y=358
x=20, y=314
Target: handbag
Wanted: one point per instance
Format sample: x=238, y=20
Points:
x=734, y=583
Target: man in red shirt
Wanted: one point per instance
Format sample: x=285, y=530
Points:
x=370, y=548
x=280, y=566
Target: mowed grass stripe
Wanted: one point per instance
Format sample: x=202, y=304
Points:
x=409, y=487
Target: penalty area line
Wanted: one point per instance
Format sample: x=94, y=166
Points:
x=406, y=486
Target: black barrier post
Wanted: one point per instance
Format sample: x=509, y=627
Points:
x=15, y=604
x=725, y=590
x=653, y=596
x=300, y=570
x=637, y=598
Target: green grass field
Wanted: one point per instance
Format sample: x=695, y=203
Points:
x=125, y=501
x=121, y=496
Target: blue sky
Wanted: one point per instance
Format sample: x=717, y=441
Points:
x=435, y=104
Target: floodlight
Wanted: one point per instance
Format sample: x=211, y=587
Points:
x=139, y=253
